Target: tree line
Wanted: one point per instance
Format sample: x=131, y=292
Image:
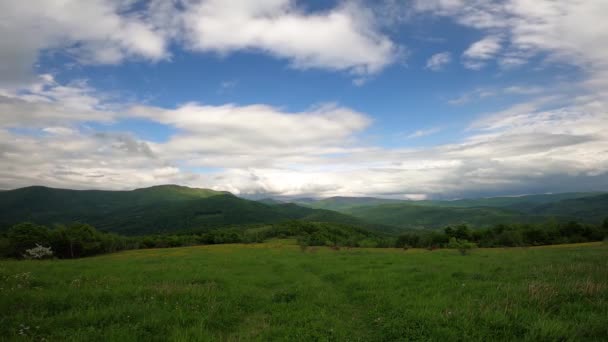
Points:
x=508, y=235
x=80, y=240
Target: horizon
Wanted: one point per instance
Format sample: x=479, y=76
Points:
x=260, y=197
x=413, y=100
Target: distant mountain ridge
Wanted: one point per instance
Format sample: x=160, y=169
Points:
x=590, y=207
x=165, y=208
x=171, y=208
x=340, y=203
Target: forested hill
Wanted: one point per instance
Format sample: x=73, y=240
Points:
x=173, y=208
x=484, y=212
x=166, y=208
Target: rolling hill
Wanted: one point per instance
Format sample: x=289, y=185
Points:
x=524, y=202
x=592, y=208
x=408, y=215
x=164, y=208
x=172, y=208
x=412, y=216
x=339, y=203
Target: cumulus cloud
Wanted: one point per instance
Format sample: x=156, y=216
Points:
x=95, y=31
x=231, y=135
x=47, y=103
x=108, y=32
x=344, y=38
x=438, y=61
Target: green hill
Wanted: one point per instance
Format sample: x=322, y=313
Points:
x=172, y=208
x=533, y=209
x=150, y=210
x=592, y=209
x=525, y=203
x=412, y=216
x=343, y=203
x=405, y=214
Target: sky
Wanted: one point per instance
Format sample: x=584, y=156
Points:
x=418, y=99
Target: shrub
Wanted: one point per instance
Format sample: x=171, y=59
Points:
x=463, y=246
x=38, y=252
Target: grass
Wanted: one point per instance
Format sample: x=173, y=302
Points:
x=274, y=291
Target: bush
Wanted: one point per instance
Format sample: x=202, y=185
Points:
x=463, y=246
x=38, y=252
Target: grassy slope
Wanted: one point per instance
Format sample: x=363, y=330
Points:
x=276, y=292
x=157, y=209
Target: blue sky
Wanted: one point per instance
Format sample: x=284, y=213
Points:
x=405, y=99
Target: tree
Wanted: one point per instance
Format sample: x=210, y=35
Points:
x=462, y=232
x=26, y=235
x=407, y=239
x=463, y=246
x=80, y=240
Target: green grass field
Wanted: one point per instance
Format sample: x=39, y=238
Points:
x=274, y=291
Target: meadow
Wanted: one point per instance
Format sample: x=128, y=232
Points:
x=278, y=291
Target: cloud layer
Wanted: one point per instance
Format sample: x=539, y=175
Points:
x=538, y=146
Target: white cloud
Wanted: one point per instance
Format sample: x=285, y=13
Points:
x=524, y=90
x=478, y=53
x=46, y=102
x=569, y=31
x=438, y=61
x=424, y=132
x=343, y=38
x=95, y=31
x=230, y=135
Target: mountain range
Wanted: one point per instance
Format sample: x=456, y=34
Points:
x=173, y=208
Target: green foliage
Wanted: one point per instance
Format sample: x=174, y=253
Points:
x=77, y=240
x=463, y=246
x=24, y=236
x=71, y=241
x=507, y=235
